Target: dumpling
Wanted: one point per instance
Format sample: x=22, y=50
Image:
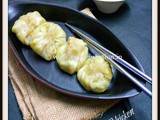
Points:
x=46, y=39
x=24, y=26
x=72, y=55
x=95, y=75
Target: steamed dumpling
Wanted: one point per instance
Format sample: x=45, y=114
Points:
x=46, y=39
x=26, y=24
x=95, y=75
x=72, y=55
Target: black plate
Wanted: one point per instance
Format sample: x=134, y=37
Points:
x=48, y=72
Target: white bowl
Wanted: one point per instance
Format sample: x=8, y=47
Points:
x=108, y=6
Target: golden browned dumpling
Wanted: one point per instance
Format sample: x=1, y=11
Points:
x=72, y=55
x=46, y=40
x=26, y=24
x=95, y=75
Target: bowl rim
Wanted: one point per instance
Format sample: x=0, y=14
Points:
x=109, y=1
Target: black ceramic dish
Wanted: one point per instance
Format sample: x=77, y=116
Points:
x=49, y=73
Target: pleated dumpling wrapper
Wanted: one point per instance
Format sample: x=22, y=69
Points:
x=95, y=75
x=46, y=39
x=72, y=55
x=25, y=25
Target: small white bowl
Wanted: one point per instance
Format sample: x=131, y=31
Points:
x=108, y=6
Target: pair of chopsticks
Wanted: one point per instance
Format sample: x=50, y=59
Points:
x=104, y=52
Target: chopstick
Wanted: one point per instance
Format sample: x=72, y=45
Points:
x=123, y=71
x=118, y=59
x=122, y=62
x=100, y=50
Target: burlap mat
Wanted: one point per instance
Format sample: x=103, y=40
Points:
x=38, y=102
